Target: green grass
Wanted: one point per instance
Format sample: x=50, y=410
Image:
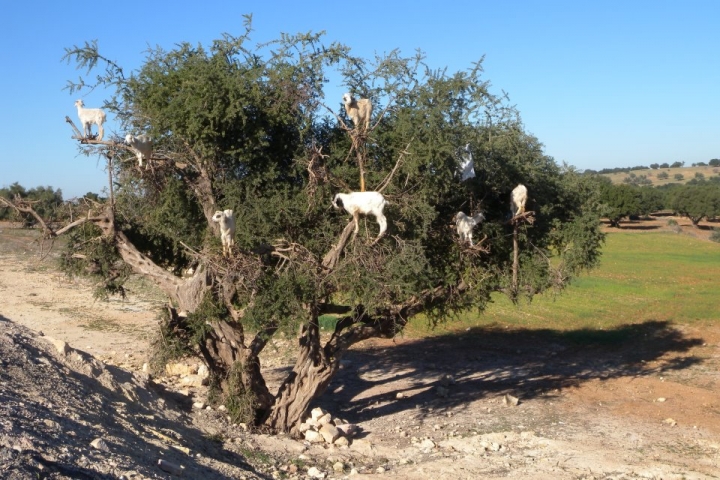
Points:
x=642, y=277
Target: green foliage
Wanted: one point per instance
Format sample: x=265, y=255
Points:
x=44, y=200
x=619, y=201
x=697, y=201
x=663, y=176
x=89, y=254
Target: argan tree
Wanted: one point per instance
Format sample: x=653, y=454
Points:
x=251, y=129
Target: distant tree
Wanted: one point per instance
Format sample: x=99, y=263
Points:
x=715, y=162
x=664, y=165
x=701, y=164
x=696, y=202
x=45, y=201
x=651, y=200
x=619, y=201
x=654, y=166
x=677, y=164
x=679, y=177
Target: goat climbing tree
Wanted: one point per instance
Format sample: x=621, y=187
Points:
x=248, y=129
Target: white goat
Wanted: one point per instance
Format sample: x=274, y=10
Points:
x=518, y=199
x=88, y=116
x=226, y=219
x=466, y=224
x=366, y=203
x=359, y=111
x=466, y=169
x=142, y=145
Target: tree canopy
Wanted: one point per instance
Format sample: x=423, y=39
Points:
x=249, y=128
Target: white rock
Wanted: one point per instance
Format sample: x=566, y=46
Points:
x=339, y=467
x=510, y=400
x=314, y=437
x=325, y=419
x=329, y=432
x=62, y=347
x=100, y=444
x=426, y=444
x=198, y=405
x=194, y=381
x=315, y=472
x=316, y=413
x=342, y=442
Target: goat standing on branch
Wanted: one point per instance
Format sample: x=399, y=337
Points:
x=88, y=116
x=518, y=199
x=366, y=203
x=142, y=145
x=359, y=111
x=465, y=225
x=226, y=219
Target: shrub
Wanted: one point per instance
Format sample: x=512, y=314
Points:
x=715, y=235
x=672, y=222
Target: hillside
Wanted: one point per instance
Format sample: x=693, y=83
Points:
x=688, y=173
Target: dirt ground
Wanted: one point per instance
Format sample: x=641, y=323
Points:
x=644, y=407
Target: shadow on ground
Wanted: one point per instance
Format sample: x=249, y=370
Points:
x=490, y=361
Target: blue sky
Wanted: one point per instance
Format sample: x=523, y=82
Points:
x=602, y=84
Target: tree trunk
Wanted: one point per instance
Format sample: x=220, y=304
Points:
x=313, y=371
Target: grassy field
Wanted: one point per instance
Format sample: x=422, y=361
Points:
x=688, y=173
x=642, y=277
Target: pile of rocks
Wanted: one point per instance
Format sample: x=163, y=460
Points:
x=320, y=427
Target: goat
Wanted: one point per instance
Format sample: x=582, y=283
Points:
x=466, y=169
x=518, y=199
x=366, y=203
x=142, y=145
x=226, y=219
x=359, y=111
x=88, y=116
x=466, y=224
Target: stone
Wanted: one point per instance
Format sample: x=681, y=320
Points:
x=325, y=419
x=316, y=413
x=339, y=467
x=100, y=444
x=170, y=468
x=329, y=432
x=314, y=472
x=510, y=400
x=194, y=381
x=342, y=442
x=180, y=369
x=198, y=405
x=347, y=429
x=314, y=437
x=426, y=444
x=62, y=347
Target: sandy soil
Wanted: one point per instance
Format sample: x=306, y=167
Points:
x=646, y=407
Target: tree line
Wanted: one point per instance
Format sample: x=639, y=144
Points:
x=698, y=199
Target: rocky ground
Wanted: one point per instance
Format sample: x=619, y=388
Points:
x=488, y=403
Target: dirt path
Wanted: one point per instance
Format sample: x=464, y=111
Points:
x=647, y=407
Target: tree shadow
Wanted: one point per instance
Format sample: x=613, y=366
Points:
x=487, y=362
x=73, y=401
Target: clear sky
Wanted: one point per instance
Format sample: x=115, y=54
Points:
x=602, y=84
